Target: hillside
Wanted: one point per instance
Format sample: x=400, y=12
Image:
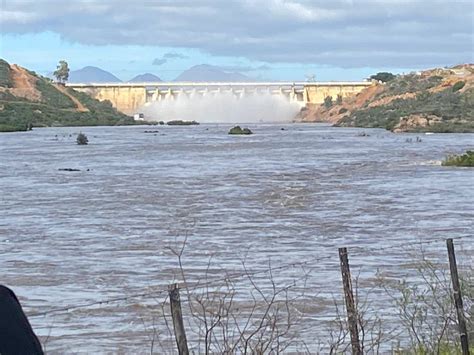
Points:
x=91, y=74
x=437, y=100
x=206, y=72
x=28, y=100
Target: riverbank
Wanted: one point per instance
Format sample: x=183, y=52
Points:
x=28, y=100
x=436, y=100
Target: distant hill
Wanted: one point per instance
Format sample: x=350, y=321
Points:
x=28, y=100
x=206, y=72
x=92, y=75
x=145, y=78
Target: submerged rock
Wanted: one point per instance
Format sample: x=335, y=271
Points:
x=239, y=130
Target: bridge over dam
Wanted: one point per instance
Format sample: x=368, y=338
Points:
x=129, y=98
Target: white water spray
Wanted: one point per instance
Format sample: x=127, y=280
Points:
x=224, y=107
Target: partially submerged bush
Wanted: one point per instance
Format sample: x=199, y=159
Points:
x=82, y=139
x=239, y=130
x=466, y=159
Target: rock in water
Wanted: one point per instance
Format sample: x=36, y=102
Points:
x=239, y=130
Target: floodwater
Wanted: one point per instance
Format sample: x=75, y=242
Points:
x=290, y=193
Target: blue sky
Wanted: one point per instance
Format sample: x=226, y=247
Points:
x=265, y=39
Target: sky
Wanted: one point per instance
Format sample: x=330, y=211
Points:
x=264, y=39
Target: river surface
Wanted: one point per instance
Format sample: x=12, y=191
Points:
x=290, y=193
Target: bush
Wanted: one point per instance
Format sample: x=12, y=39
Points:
x=328, y=101
x=466, y=159
x=82, y=139
x=458, y=86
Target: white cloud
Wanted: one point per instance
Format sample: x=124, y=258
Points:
x=339, y=32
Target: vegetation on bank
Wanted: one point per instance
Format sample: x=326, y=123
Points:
x=449, y=112
x=417, y=106
x=436, y=100
x=44, y=105
x=5, y=78
x=466, y=159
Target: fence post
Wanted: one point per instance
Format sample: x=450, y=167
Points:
x=177, y=315
x=350, y=305
x=457, y=297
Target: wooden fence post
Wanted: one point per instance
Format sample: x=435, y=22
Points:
x=350, y=305
x=178, y=324
x=457, y=297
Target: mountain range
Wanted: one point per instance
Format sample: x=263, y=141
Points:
x=145, y=78
x=199, y=73
x=92, y=75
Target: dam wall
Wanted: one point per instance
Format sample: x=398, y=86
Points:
x=130, y=97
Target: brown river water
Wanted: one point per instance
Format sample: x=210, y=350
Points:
x=290, y=193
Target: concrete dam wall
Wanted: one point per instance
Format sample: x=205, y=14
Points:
x=129, y=98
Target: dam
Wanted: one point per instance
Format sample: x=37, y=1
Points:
x=129, y=98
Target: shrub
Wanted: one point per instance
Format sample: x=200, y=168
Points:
x=82, y=139
x=466, y=159
x=339, y=100
x=343, y=110
x=328, y=101
x=458, y=86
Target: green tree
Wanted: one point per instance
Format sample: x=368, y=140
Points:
x=328, y=101
x=339, y=99
x=383, y=77
x=62, y=72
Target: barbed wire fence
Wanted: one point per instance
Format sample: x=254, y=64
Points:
x=248, y=311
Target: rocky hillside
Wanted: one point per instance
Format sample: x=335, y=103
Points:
x=28, y=100
x=437, y=100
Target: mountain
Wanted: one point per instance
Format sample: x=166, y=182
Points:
x=92, y=75
x=29, y=100
x=206, y=72
x=145, y=78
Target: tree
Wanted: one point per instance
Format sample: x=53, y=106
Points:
x=383, y=77
x=62, y=72
x=328, y=101
x=339, y=100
